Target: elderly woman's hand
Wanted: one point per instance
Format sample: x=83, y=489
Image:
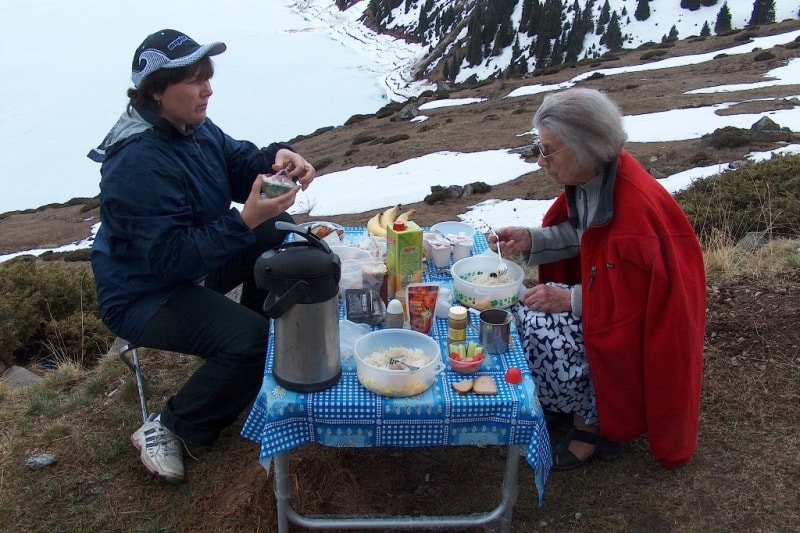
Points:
x=547, y=299
x=513, y=240
x=300, y=170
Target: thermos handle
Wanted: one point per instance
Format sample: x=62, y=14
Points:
x=275, y=307
x=304, y=232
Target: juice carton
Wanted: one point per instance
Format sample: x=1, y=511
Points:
x=403, y=257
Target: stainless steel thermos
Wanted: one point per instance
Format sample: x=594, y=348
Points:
x=302, y=278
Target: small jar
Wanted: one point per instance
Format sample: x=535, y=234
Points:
x=457, y=324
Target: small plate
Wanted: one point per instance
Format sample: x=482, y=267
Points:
x=329, y=232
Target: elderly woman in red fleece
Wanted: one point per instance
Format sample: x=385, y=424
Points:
x=614, y=330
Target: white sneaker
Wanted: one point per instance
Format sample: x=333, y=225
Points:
x=160, y=450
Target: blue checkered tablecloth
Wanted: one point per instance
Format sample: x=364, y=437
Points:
x=349, y=415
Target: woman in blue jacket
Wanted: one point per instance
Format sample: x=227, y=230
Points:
x=170, y=246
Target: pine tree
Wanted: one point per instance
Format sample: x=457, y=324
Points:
x=549, y=28
x=723, y=23
x=705, y=31
x=474, y=45
x=533, y=21
x=605, y=15
x=505, y=36
x=763, y=12
x=642, y=10
x=672, y=36
x=613, y=38
x=708, y=3
x=423, y=25
x=691, y=5
x=573, y=45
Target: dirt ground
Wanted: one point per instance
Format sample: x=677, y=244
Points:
x=745, y=474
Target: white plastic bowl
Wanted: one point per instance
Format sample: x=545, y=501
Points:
x=480, y=296
x=452, y=227
x=397, y=383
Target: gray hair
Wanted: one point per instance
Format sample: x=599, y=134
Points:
x=588, y=121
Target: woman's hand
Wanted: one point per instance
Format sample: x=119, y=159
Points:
x=513, y=240
x=258, y=208
x=299, y=169
x=547, y=299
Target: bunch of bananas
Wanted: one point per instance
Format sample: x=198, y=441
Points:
x=383, y=219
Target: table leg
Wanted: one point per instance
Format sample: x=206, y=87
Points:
x=510, y=486
x=282, y=494
x=500, y=516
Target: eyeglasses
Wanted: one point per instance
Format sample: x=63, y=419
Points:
x=538, y=150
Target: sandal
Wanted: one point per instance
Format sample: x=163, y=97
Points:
x=608, y=450
x=555, y=419
x=563, y=459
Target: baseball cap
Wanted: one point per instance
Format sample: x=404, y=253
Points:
x=169, y=49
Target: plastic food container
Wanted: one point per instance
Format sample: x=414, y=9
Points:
x=329, y=232
x=397, y=383
x=485, y=296
x=453, y=228
x=275, y=186
x=462, y=366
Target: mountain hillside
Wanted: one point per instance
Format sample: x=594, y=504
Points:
x=480, y=39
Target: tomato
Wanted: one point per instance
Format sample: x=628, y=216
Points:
x=514, y=375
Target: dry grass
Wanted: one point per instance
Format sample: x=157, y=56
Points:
x=750, y=415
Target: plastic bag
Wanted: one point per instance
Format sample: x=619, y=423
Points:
x=349, y=333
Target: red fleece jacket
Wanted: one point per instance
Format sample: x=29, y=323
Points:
x=644, y=314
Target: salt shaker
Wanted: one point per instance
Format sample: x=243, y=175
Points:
x=394, y=314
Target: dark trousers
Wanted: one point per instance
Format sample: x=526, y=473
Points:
x=231, y=337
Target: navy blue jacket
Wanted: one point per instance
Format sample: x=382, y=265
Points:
x=165, y=212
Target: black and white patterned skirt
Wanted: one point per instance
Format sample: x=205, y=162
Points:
x=553, y=344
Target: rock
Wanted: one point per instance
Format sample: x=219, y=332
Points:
x=40, y=460
x=753, y=240
x=18, y=377
x=409, y=111
x=767, y=130
x=764, y=123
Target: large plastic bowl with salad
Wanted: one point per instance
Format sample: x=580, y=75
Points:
x=476, y=283
x=376, y=371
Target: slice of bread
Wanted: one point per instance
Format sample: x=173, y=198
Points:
x=484, y=385
x=463, y=386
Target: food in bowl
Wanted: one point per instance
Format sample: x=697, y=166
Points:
x=388, y=357
x=329, y=232
x=391, y=381
x=488, y=278
x=273, y=186
x=475, y=286
x=466, y=357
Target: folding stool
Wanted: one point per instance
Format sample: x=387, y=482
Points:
x=136, y=368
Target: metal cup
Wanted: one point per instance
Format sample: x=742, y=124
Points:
x=494, y=330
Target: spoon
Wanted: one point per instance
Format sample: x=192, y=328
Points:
x=502, y=267
x=399, y=361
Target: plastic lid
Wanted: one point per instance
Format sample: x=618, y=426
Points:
x=399, y=225
x=458, y=312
